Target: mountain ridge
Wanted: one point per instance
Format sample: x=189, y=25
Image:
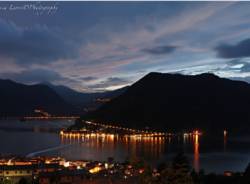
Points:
x=21, y=99
x=81, y=99
x=179, y=102
x=18, y=99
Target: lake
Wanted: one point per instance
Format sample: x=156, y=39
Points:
x=33, y=138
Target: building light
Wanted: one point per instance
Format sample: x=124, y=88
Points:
x=141, y=171
x=66, y=164
x=95, y=170
x=78, y=167
x=225, y=133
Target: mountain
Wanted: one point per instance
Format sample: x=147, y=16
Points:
x=177, y=102
x=20, y=100
x=84, y=100
x=71, y=96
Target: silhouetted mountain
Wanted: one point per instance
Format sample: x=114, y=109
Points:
x=84, y=100
x=72, y=96
x=179, y=102
x=19, y=100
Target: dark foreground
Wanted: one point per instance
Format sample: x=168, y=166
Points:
x=45, y=170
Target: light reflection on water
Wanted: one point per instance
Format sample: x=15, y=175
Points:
x=149, y=148
x=204, y=152
x=155, y=150
x=196, y=153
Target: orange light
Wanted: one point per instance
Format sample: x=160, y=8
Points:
x=95, y=170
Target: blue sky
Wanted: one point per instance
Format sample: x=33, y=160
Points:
x=96, y=46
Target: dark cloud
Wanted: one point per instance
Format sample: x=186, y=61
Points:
x=160, y=50
x=37, y=44
x=245, y=68
x=245, y=65
x=235, y=61
x=240, y=50
x=88, y=78
x=111, y=81
x=34, y=76
x=116, y=80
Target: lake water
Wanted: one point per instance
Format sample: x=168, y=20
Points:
x=35, y=138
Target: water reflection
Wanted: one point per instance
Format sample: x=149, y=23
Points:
x=214, y=154
x=153, y=149
x=225, y=140
x=148, y=147
x=196, y=153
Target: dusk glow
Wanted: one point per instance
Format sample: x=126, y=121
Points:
x=136, y=92
x=92, y=46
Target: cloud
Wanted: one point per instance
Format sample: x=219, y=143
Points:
x=239, y=50
x=117, y=47
x=241, y=64
x=88, y=78
x=245, y=67
x=34, y=45
x=115, y=41
x=34, y=76
x=160, y=50
x=110, y=83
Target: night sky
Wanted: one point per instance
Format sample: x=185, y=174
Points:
x=96, y=46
